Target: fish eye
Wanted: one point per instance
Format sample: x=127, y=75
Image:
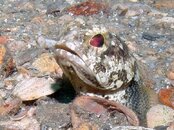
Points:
x=97, y=40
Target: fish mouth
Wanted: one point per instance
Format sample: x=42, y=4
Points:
x=70, y=61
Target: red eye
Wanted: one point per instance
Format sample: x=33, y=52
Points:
x=97, y=40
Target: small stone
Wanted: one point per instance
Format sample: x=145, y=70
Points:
x=167, y=21
x=159, y=115
x=3, y=39
x=65, y=18
x=28, y=123
x=11, y=105
x=28, y=55
x=132, y=46
x=170, y=75
x=9, y=84
x=17, y=46
x=132, y=13
x=71, y=1
x=55, y=115
x=2, y=53
x=130, y=128
x=87, y=8
x=46, y=43
x=8, y=66
x=166, y=96
x=87, y=126
x=131, y=10
x=2, y=94
x=38, y=20
x=164, y=4
x=46, y=63
x=171, y=126
x=23, y=71
x=133, y=0
x=150, y=36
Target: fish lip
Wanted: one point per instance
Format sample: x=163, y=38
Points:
x=64, y=47
x=65, y=54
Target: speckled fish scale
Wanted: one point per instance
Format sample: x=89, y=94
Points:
x=97, y=62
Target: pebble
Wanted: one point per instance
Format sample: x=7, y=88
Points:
x=164, y=4
x=169, y=21
x=131, y=10
x=46, y=63
x=170, y=73
x=10, y=105
x=3, y=39
x=150, y=36
x=159, y=115
x=166, y=96
x=17, y=46
x=65, y=18
x=27, y=55
x=46, y=43
x=56, y=116
x=133, y=0
x=9, y=84
x=2, y=53
x=131, y=128
x=71, y=1
x=2, y=94
x=87, y=8
x=28, y=123
x=171, y=126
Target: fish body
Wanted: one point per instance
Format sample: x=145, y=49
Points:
x=98, y=63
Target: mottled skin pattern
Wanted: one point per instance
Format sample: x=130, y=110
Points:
x=107, y=71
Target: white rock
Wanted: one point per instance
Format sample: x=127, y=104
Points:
x=131, y=128
x=159, y=115
x=133, y=0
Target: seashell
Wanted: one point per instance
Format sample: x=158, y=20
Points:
x=97, y=106
x=34, y=88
